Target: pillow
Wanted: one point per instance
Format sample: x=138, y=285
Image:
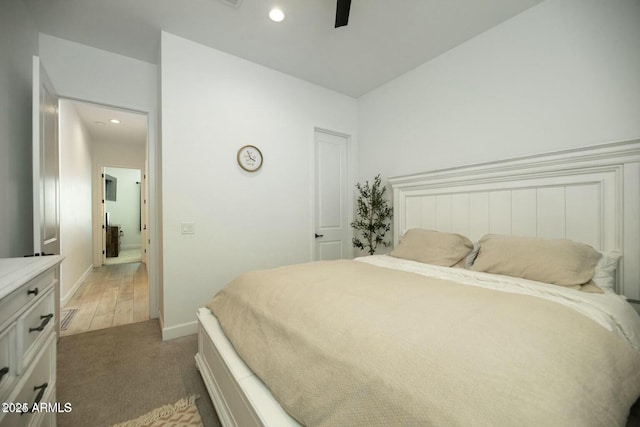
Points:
x=605, y=275
x=471, y=257
x=556, y=261
x=591, y=288
x=432, y=247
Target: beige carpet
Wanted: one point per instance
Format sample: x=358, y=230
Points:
x=117, y=374
x=183, y=413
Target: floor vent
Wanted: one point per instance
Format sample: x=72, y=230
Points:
x=67, y=317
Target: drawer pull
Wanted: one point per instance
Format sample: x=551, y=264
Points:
x=33, y=291
x=41, y=389
x=4, y=371
x=45, y=320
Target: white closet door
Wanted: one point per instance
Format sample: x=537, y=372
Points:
x=332, y=191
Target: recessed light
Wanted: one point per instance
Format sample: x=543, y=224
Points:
x=276, y=15
x=116, y=121
x=100, y=123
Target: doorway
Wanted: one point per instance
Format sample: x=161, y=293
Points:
x=332, y=235
x=123, y=215
x=112, y=140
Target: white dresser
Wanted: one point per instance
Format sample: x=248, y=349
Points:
x=29, y=323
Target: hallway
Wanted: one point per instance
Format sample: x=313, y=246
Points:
x=111, y=295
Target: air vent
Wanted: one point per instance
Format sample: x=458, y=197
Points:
x=233, y=3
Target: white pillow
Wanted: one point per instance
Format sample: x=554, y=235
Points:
x=472, y=255
x=605, y=275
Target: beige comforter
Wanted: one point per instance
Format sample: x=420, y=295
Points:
x=344, y=343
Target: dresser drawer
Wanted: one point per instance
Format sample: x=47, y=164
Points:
x=7, y=362
x=45, y=419
x=33, y=327
x=48, y=407
x=37, y=387
x=26, y=293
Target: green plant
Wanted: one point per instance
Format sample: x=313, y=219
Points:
x=373, y=217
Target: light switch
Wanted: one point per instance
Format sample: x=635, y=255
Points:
x=188, y=227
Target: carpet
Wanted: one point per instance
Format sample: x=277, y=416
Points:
x=116, y=374
x=183, y=413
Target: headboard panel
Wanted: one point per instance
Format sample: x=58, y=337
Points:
x=590, y=195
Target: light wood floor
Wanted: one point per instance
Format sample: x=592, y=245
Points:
x=125, y=256
x=111, y=295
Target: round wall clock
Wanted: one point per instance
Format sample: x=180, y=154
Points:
x=250, y=158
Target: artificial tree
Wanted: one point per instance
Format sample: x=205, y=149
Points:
x=373, y=217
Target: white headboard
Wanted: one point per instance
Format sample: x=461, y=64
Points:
x=590, y=195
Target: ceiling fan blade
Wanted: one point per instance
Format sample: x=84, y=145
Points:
x=342, y=13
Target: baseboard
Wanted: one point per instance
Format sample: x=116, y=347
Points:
x=178, y=331
x=64, y=300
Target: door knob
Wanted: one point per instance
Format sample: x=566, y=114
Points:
x=319, y=235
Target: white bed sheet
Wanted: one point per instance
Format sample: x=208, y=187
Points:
x=609, y=309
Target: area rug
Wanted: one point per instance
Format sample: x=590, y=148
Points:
x=182, y=413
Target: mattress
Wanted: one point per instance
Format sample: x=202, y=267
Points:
x=609, y=311
x=216, y=357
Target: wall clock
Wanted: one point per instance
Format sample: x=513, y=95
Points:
x=250, y=158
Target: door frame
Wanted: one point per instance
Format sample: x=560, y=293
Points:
x=144, y=214
x=153, y=206
x=351, y=174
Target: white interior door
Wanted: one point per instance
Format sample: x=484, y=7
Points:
x=46, y=164
x=332, y=232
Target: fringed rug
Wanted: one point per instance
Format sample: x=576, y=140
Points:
x=182, y=413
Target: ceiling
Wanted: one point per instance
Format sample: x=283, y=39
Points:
x=96, y=119
x=384, y=38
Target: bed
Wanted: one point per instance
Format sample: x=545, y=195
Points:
x=457, y=345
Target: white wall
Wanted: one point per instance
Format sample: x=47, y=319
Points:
x=86, y=73
x=125, y=210
x=18, y=44
x=89, y=74
x=75, y=200
x=213, y=104
x=565, y=73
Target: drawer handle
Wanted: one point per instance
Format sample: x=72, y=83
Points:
x=4, y=371
x=45, y=320
x=41, y=389
x=33, y=291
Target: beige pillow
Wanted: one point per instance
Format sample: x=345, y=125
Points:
x=556, y=261
x=432, y=247
x=591, y=288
